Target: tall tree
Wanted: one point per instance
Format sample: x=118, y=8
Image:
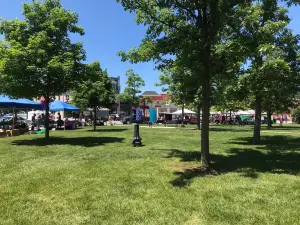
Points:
x=96, y=91
x=191, y=31
x=37, y=56
x=134, y=83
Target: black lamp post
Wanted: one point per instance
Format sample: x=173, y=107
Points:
x=136, y=140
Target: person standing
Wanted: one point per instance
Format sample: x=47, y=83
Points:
x=33, y=119
x=59, y=121
x=281, y=121
x=110, y=120
x=150, y=124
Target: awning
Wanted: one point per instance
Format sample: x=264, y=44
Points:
x=21, y=103
x=62, y=106
x=185, y=111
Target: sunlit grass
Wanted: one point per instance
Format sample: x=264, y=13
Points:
x=87, y=177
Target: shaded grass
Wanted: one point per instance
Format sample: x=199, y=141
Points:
x=84, y=177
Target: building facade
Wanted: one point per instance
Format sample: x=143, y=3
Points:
x=161, y=102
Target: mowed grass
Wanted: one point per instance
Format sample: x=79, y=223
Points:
x=87, y=177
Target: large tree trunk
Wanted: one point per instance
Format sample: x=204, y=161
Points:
x=47, y=133
x=130, y=113
x=257, y=125
x=198, y=115
x=205, y=123
x=182, y=116
x=230, y=115
x=95, y=117
x=269, y=119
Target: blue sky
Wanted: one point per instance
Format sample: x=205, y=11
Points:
x=110, y=29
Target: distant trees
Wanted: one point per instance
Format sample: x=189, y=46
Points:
x=271, y=52
x=134, y=84
x=95, y=91
x=37, y=55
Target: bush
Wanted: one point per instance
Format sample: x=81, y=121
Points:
x=296, y=115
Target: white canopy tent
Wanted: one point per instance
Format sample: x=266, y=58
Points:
x=216, y=113
x=185, y=111
x=37, y=113
x=241, y=112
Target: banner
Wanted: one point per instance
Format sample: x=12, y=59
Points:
x=153, y=115
x=139, y=116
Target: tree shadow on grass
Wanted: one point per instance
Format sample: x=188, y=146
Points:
x=109, y=130
x=277, y=155
x=78, y=141
x=277, y=143
x=283, y=128
x=224, y=129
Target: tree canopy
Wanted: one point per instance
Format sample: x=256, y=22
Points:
x=37, y=55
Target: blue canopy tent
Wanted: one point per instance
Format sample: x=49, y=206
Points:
x=62, y=106
x=21, y=103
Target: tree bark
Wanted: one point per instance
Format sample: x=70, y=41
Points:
x=205, y=123
x=269, y=119
x=230, y=117
x=198, y=116
x=257, y=125
x=47, y=133
x=95, y=117
x=182, y=116
x=130, y=114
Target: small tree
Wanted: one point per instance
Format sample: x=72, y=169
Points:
x=96, y=91
x=134, y=83
x=37, y=56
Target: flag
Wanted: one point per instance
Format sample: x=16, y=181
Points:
x=138, y=114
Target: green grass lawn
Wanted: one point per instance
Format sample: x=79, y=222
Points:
x=87, y=177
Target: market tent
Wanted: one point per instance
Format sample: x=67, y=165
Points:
x=215, y=113
x=21, y=103
x=240, y=112
x=62, y=106
x=186, y=111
